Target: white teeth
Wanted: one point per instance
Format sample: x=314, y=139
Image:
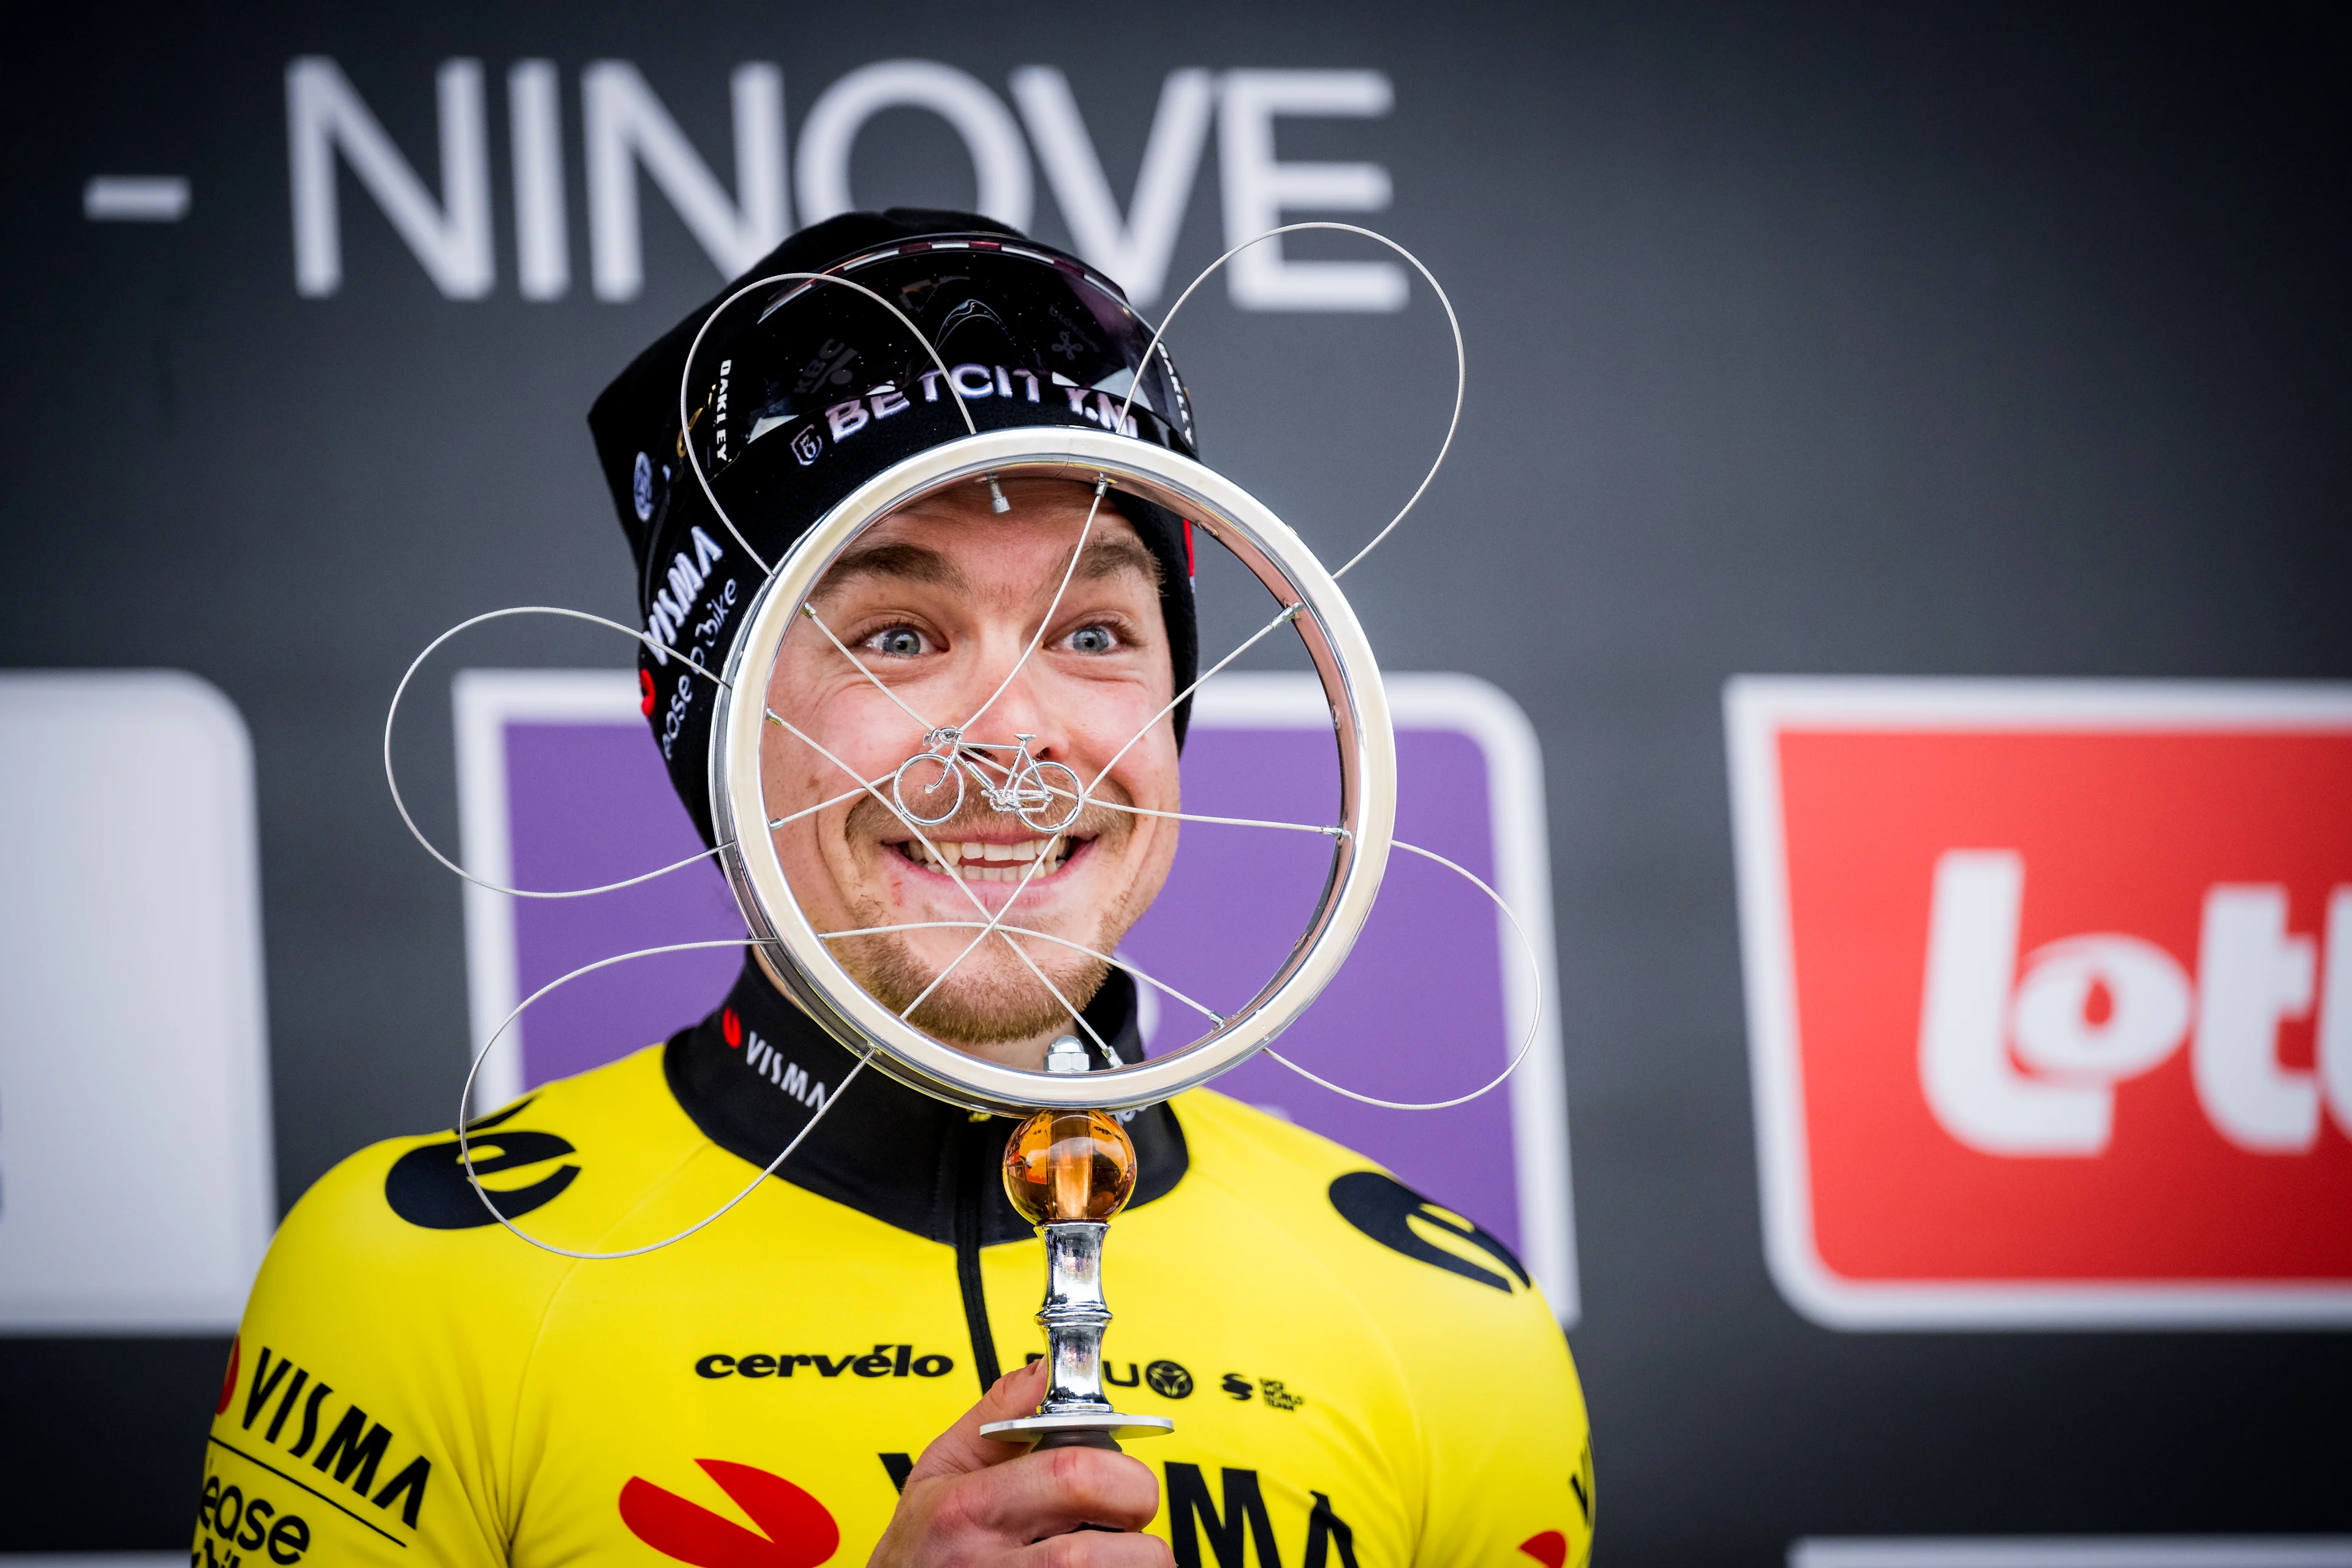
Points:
x=976, y=862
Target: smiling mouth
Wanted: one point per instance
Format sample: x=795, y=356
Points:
x=975, y=861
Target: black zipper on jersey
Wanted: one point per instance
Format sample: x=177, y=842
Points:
x=974, y=1166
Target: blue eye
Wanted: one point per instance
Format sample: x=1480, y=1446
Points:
x=1093, y=639
x=899, y=642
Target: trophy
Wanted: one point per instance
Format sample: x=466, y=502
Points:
x=1070, y=1166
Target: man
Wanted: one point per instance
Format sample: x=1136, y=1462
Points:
x=1357, y=1377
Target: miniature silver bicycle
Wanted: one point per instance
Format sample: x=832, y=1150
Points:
x=1028, y=790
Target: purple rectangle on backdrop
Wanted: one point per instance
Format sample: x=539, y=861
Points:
x=1416, y=1013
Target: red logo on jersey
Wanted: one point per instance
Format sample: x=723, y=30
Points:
x=796, y=1530
x=228, y=1379
x=1548, y=1547
x=731, y=1027
x=2051, y=998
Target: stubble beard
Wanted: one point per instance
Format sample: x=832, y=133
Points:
x=992, y=998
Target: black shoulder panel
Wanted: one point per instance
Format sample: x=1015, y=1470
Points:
x=427, y=1186
x=1379, y=1206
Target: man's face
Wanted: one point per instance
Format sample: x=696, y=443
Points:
x=938, y=602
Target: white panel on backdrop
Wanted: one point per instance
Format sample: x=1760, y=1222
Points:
x=136, y=1194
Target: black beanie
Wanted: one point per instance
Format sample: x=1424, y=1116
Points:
x=803, y=391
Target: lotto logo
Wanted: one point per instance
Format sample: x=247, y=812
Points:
x=2050, y=998
x=2030, y=1066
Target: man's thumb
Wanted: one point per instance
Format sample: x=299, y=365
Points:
x=961, y=1450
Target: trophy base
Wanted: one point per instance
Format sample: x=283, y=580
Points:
x=1079, y=1428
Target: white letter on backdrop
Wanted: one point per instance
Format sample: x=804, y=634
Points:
x=626, y=125
x=999, y=159
x=2250, y=975
x=1258, y=189
x=1974, y=1092
x=325, y=115
x=2147, y=1012
x=1134, y=250
x=2336, y=1010
x=535, y=124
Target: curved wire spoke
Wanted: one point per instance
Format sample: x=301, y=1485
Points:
x=1326, y=831
x=685, y=380
x=986, y=929
x=1052, y=610
x=994, y=926
x=863, y=784
x=489, y=1198
x=921, y=723
x=1461, y=361
x=1535, y=1020
x=391, y=779
x=1289, y=614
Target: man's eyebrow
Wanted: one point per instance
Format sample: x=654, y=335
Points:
x=1109, y=557
x=907, y=563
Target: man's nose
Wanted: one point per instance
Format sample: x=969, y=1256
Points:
x=1022, y=707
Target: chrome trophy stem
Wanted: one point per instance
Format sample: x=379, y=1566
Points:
x=1074, y=1412
x=1074, y=1316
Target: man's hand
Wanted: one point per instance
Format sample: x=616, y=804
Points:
x=970, y=1501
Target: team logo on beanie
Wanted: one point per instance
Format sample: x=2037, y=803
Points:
x=641, y=487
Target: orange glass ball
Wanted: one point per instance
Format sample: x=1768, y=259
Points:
x=1069, y=1165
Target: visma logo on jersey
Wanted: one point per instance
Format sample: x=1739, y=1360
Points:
x=2050, y=998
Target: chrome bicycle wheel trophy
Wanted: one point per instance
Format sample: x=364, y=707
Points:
x=1069, y=1167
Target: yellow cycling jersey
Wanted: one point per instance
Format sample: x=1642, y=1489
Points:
x=1359, y=1378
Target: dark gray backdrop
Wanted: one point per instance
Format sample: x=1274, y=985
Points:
x=1952, y=342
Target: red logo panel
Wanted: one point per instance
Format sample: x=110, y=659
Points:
x=795, y=1529
x=2050, y=991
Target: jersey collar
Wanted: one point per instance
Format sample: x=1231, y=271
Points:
x=752, y=1074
